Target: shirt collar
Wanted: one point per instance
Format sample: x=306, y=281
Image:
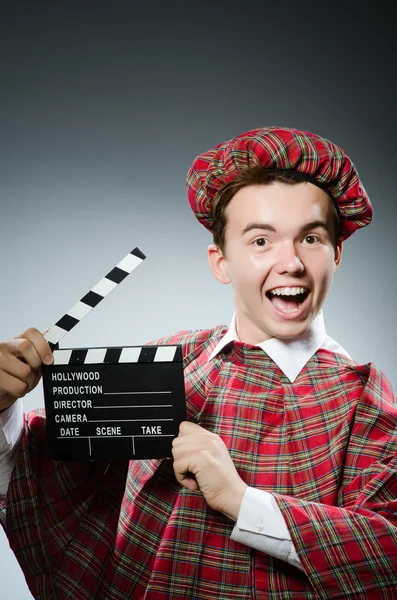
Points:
x=289, y=355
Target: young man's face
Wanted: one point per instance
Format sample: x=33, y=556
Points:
x=279, y=256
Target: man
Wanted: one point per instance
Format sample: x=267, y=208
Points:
x=283, y=483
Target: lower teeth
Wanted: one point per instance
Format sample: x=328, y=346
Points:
x=291, y=310
x=282, y=305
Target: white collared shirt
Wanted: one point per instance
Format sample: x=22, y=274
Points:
x=289, y=355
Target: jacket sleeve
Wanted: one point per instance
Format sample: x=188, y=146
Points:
x=350, y=550
x=56, y=509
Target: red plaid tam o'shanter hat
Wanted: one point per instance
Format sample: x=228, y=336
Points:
x=312, y=157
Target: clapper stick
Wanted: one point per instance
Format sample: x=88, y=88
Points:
x=111, y=403
x=94, y=297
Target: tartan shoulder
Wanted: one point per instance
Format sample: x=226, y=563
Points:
x=366, y=382
x=377, y=384
x=369, y=374
x=376, y=412
x=191, y=340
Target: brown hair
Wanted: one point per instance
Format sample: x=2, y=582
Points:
x=255, y=176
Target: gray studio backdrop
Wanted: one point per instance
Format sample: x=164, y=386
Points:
x=103, y=108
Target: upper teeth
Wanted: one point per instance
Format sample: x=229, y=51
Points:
x=288, y=291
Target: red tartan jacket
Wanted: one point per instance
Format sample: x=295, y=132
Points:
x=324, y=446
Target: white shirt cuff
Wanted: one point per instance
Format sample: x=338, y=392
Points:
x=259, y=513
x=261, y=526
x=11, y=427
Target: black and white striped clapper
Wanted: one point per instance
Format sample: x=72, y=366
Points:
x=111, y=403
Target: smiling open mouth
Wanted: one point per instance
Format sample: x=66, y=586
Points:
x=288, y=300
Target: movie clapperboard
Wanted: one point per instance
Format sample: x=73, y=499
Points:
x=111, y=403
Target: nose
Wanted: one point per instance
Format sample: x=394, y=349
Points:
x=288, y=260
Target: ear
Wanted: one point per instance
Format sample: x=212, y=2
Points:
x=338, y=255
x=217, y=263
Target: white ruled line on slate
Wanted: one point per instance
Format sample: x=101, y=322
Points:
x=102, y=437
x=121, y=393
x=138, y=406
x=125, y=420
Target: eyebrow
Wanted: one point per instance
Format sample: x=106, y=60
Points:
x=303, y=229
x=315, y=225
x=263, y=226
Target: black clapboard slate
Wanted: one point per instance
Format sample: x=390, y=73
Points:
x=114, y=403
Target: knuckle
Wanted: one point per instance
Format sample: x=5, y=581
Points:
x=21, y=388
x=213, y=442
x=25, y=370
x=4, y=349
x=24, y=345
x=17, y=389
x=30, y=331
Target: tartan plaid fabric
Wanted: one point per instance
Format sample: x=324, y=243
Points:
x=325, y=446
x=281, y=148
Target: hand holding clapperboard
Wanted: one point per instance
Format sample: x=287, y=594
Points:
x=111, y=403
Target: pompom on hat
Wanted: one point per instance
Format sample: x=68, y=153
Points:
x=314, y=158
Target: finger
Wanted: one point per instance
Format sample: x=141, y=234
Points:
x=188, y=428
x=188, y=445
x=15, y=366
x=40, y=345
x=15, y=387
x=22, y=350
x=198, y=438
x=190, y=484
x=184, y=443
x=18, y=372
x=183, y=475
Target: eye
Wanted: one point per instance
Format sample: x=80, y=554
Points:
x=262, y=241
x=311, y=239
